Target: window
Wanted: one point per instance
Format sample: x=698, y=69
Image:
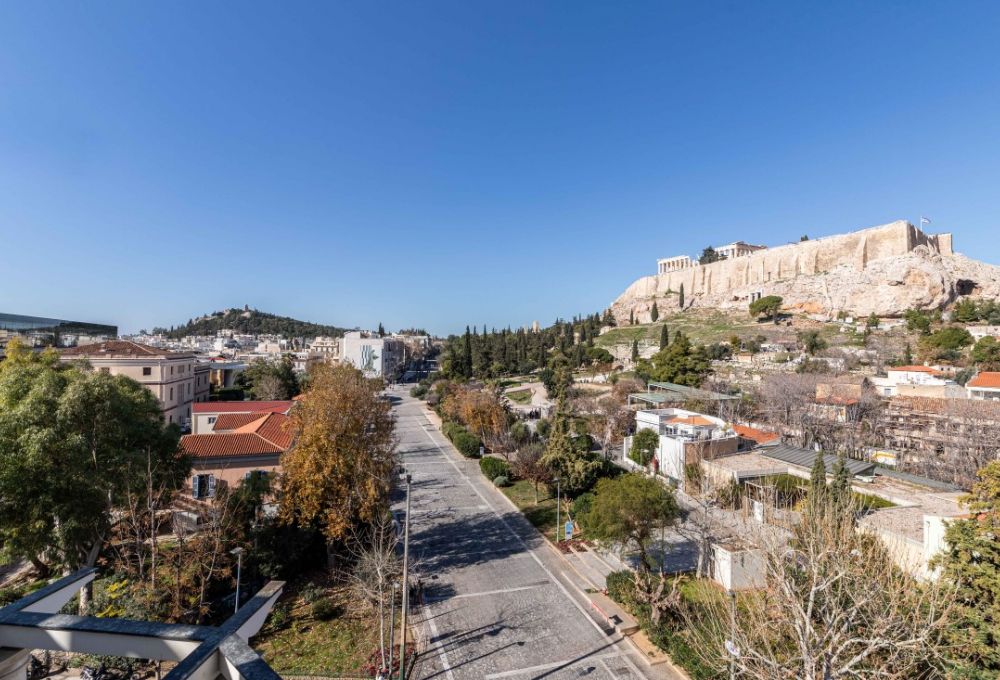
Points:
x=203, y=486
x=146, y=370
x=211, y=420
x=171, y=370
x=171, y=394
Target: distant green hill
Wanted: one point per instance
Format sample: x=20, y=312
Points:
x=251, y=321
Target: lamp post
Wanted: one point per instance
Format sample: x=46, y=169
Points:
x=239, y=567
x=558, y=503
x=406, y=583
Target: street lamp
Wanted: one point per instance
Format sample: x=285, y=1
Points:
x=239, y=567
x=558, y=494
x=406, y=584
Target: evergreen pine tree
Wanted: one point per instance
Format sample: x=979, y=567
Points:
x=817, y=484
x=635, y=351
x=664, y=336
x=631, y=318
x=840, y=488
x=680, y=297
x=381, y=330
x=654, y=313
x=908, y=356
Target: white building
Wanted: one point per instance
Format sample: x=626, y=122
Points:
x=985, y=385
x=737, y=249
x=376, y=357
x=686, y=438
x=917, y=381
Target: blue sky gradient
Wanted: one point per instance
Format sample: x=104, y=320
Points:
x=445, y=163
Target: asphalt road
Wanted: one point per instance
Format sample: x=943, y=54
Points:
x=497, y=604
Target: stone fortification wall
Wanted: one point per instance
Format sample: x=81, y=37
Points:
x=895, y=265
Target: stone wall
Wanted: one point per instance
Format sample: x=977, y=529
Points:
x=819, y=276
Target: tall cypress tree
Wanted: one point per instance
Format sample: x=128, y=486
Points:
x=680, y=297
x=467, y=354
x=635, y=351
x=654, y=313
x=631, y=317
x=840, y=488
x=664, y=336
x=817, y=485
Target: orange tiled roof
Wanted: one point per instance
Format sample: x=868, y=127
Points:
x=759, y=436
x=242, y=406
x=986, y=379
x=267, y=433
x=692, y=420
x=234, y=421
x=914, y=369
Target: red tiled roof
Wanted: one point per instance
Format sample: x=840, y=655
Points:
x=234, y=421
x=914, y=369
x=759, y=436
x=242, y=406
x=121, y=349
x=226, y=445
x=986, y=379
x=692, y=420
x=266, y=433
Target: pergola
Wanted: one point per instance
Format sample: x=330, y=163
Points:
x=202, y=652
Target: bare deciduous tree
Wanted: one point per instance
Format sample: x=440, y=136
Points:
x=376, y=569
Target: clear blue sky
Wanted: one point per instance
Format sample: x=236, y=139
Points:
x=444, y=163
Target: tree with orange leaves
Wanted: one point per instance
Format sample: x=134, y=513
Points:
x=338, y=473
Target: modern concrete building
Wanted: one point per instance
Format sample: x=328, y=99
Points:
x=686, y=438
x=917, y=381
x=170, y=376
x=36, y=331
x=376, y=357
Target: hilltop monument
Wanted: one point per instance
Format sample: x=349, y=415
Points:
x=883, y=270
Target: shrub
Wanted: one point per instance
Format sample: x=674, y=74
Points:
x=466, y=443
x=581, y=506
x=621, y=587
x=312, y=593
x=543, y=427
x=644, y=446
x=494, y=467
x=325, y=609
x=418, y=392
x=501, y=482
x=520, y=433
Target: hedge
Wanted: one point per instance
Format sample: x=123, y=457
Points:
x=494, y=467
x=466, y=442
x=501, y=482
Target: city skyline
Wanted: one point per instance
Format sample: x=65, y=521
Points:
x=445, y=165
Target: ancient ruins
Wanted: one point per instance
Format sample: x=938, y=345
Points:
x=885, y=269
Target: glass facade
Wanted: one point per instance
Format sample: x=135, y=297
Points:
x=40, y=332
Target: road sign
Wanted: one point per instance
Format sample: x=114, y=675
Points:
x=569, y=530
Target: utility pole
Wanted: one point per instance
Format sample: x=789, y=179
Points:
x=406, y=584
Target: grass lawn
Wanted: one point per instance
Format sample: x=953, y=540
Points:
x=303, y=645
x=542, y=515
x=519, y=396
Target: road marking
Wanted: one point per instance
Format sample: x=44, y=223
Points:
x=451, y=508
x=442, y=654
x=520, y=540
x=549, y=666
x=489, y=592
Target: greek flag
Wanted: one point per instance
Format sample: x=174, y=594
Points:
x=924, y=220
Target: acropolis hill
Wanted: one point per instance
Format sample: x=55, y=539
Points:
x=886, y=270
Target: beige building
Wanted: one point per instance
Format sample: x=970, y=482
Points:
x=170, y=376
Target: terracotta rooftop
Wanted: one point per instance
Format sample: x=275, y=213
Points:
x=234, y=421
x=915, y=369
x=759, y=436
x=985, y=379
x=122, y=349
x=241, y=406
x=267, y=434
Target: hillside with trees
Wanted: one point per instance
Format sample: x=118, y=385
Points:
x=253, y=322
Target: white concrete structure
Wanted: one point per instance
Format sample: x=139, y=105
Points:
x=980, y=332
x=376, y=357
x=327, y=347
x=916, y=381
x=200, y=652
x=737, y=566
x=686, y=438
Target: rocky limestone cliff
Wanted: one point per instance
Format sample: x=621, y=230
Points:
x=888, y=287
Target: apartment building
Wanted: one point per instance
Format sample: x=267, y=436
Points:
x=170, y=376
x=376, y=357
